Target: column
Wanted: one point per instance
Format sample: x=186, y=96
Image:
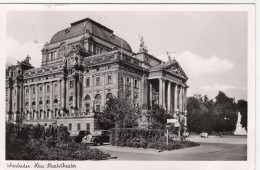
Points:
x=10, y=101
x=103, y=92
x=30, y=103
x=169, y=97
x=43, y=101
x=74, y=96
x=151, y=94
x=92, y=93
x=160, y=92
x=62, y=96
x=51, y=100
x=36, y=102
x=163, y=94
x=181, y=99
x=132, y=89
x=175, y=97
x=59, y=97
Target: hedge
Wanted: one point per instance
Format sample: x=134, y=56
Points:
x=144, y=138
x=28, y=142
x=122, y=136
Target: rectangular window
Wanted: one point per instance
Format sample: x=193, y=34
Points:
x=27, y=91
x=127, y=81
x=41, y=88
x=33, y=90
x=88, y=126
x=70, y=127
x=71, y=84
x=48, y=89
x=109, y=79
x=98, y=81
x=98, y=108
x=136, y=84
x=87, y=82
x=78, y=126
x=55, y=87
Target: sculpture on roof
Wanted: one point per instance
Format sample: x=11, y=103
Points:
x=170, y=59
x=25, y=61
x=142, y=47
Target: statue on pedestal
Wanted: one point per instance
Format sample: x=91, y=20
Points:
x=142, y=47
x=239, y=129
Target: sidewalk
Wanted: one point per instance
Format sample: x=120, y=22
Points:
x=125, y=149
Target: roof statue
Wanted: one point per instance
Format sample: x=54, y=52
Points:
x=142, y=47
x=170, y=59
x=25, y=61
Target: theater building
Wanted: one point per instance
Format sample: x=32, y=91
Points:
x=82, y=67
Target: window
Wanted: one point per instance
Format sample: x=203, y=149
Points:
x=70, y=127
x=33, y=103
x=27, y=91
x=78, y=126
x=87, y=107
x=55, y=101
x=98, y=97
x=71, y=84
x=71, y=98
x=48, y=102
x=109, y=95
x=40, y=102
x=33, y=90
x=136, y=84
x=56, y=112
x=98, y=108
x=61, y=124
x=48, y=89
x=98, y=81
x=51, y=55
x=27, y=104
x=48, y=112
x=109, y=79
x=87, y=97
x=55, y=87
x=40, y=88
x=88, y=126
x=87, y=82
x=127, y=81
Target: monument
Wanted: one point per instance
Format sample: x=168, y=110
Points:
x=239, y=129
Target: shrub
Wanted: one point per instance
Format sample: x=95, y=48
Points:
x=172, y=145
x=28, y=142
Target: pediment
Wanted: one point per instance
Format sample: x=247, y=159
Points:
x=176, y=69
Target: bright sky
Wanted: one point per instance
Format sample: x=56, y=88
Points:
x=211, y=47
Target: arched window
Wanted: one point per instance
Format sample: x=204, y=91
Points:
x=33, y=103
x=40, y=102
x=48, y=102
x=55, y=101
x=87, y=97
x=71, y=98
x=27, y=104
x=98, y=97
x=109, y=95
x=87, y=107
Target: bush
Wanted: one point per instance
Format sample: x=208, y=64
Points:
x=124, y=137
x=28, y=142
x=143, y=138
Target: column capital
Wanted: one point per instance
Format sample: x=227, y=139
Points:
x=162, y=78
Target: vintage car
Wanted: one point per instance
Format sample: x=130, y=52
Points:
x=204, y=134
x=101, y=137
x=78, y=135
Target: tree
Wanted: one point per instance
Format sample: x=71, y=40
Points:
x=119, y=113
x=158, y=117
x=242, y=108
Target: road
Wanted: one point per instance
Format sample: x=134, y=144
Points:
x=210, y=149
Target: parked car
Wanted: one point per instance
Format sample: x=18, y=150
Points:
x=100, y=137
x=204, y=134
x=78, y=135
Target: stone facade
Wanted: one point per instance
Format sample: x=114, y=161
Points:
x=81, y=68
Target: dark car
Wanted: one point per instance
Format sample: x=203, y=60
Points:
x=78, y=135
x=100, y=137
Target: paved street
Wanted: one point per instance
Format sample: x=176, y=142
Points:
x=210, y=149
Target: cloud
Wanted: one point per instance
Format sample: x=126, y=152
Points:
x=194, y=65
x=15, y=51
x=217, y=87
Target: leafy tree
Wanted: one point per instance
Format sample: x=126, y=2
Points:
x=158, y=117
x=242, y=108
x=119, y=113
